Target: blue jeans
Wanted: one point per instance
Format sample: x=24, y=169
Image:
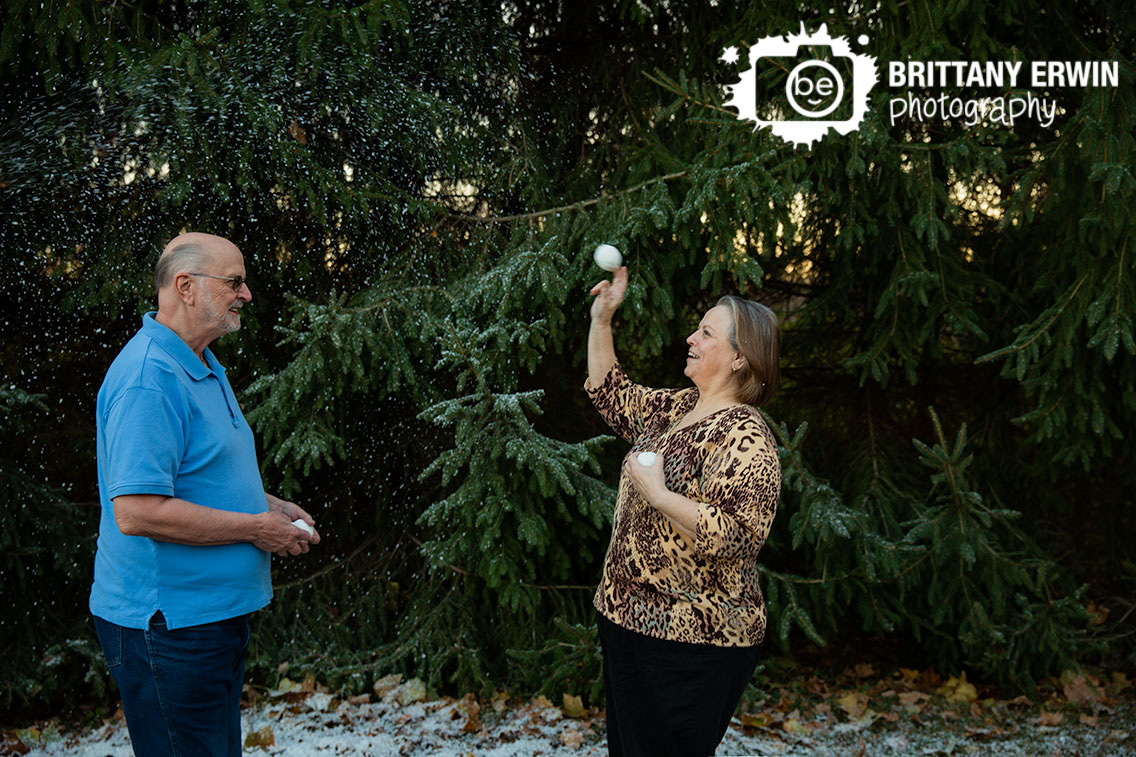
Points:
x=181, y=689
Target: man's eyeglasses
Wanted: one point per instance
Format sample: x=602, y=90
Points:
x=235, y=281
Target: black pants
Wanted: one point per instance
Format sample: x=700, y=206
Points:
x=668, y=698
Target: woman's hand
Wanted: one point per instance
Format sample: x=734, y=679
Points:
x=648, y=479
x=609, y=295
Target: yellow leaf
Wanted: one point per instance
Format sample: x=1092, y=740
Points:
x=854, y=703
x=288, y=685
x=262, y=738
x=573, y=707
x=948, y=687
x=958, y=690
x=964, y=693
x=759, y=720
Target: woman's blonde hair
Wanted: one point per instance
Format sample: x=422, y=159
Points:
x=755, y=334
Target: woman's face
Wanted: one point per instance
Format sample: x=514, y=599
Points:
x=710, y=358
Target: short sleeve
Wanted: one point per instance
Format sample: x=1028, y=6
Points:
x=627, y=406
x=741, y=485
x=145, y=443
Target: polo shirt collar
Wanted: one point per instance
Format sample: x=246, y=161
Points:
x=175, y=347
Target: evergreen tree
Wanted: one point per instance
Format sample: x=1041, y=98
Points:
x=417, y=188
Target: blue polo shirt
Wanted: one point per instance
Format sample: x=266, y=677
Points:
x=169, y=425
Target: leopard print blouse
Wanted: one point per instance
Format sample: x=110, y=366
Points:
x=655, y=581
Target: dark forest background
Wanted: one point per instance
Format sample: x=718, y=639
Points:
x=417, y=188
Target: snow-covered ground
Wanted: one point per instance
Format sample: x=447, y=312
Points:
x=302, y=723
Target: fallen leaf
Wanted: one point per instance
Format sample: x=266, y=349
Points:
x=572, y=738
x=262, y=738
x=1051, y=719
x=1118, y=684
x=759, y=720
x=909, y=676
x=816, y=686
x=387, y=684
x=913, y=698
x=864, y=721
x=287, y=685
x=864, y=670
x=500, y=701
x=958, y=690
x=1081, y=690
x=413, y=690
x=785, y=703
x=793, y=726
x=30, y=735
x=854, y=703
x=1088, y=720
x=541, y=702
x=928, y=679
x=360, y=699
x=472, y=709
x=573, y=707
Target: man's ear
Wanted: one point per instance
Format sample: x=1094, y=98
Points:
x=183, y=285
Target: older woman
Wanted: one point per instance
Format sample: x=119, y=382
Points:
x=679, y=610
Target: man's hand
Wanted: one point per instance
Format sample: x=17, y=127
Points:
x=292, y=512
x=274, y=532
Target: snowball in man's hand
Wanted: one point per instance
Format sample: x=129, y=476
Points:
x=300, y=523
x=646, y=459
x=608, y=257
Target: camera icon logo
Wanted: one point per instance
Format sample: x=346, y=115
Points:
x=814, y=90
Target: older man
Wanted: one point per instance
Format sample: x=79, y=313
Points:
x=186, y=529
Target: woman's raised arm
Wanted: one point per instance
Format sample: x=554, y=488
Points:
x=601, y=349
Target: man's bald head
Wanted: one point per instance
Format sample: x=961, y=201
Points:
x=187, y=252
